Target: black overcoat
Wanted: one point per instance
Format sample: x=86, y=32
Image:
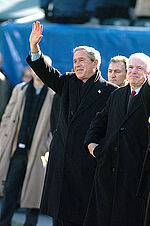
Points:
x=144, y=185
x=70, y=168
x=114, y=200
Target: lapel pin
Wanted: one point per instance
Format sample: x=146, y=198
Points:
x=99, y=91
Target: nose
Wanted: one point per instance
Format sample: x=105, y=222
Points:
x=77, y=63
x=134, y=70
x=112, y=74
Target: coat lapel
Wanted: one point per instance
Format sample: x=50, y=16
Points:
x=123, y=100
x=96, y=91
x=74, y=94
x=137, y=102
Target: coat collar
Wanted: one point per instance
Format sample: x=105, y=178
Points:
x=135, y=104
x=123, y=100
x=95, y=91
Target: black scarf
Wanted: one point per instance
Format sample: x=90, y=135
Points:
x=33, y=105
x=82, y=90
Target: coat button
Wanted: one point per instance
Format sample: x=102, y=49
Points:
x=115, y=149
x=122, y=128
x=113, y=169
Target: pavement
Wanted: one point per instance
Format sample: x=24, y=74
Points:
x=19, y=218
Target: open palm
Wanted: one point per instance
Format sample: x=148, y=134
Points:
x=36, y=33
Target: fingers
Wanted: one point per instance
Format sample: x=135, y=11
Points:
x=33, y=27
x=41, y=29
x=37, y=27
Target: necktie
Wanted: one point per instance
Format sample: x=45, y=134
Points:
x=131, y=97
x=133, y=93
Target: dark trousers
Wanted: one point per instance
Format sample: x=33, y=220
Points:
x=12, y=191
x=60, y=222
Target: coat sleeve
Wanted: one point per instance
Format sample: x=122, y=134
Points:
x=146, y=98
x=50, y=76
x=55, y=112
x=144, y=183
x=97, y=130
x=5, y=93
x=10, y=106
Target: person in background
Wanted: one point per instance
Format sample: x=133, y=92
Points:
x=142, y=9
x=27, y=74
x=118, y=139
x=44, y=4
x=106, y=9
x=68, y=12
x=5, y=89
x=25, y=135
x=117, y=70
x=70, y=169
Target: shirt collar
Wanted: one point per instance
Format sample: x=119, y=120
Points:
x=136, y=90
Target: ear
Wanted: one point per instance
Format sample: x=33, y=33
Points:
x=148, y=76
x=95, y=63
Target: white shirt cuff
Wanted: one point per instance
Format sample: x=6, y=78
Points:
x=35, y=56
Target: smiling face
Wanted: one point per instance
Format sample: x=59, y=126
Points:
x=137, y=72
x=117, y=73
x=84, y=67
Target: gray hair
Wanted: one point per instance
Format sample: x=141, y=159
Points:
x=93, y=54
x=119, y=58
x=142, y=56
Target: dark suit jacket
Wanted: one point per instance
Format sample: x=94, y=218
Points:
x=113, y=200
x=144, y=185
x=70, y=169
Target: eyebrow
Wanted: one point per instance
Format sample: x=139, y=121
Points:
x=136, y=65
x=80, y=58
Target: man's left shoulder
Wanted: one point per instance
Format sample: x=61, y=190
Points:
x=107, y=85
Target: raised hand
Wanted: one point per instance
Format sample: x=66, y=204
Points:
x=35, y=36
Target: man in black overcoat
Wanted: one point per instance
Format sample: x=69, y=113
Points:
x=70, y=168
x=118, y=138
x=144, y=185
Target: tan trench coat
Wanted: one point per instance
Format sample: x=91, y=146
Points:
x=34, y=178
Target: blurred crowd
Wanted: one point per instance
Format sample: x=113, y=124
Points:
x=103, y=12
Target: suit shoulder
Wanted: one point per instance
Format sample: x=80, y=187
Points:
x=20, y=85
x=109, y=85
x=70, y=74
x=119, y=90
